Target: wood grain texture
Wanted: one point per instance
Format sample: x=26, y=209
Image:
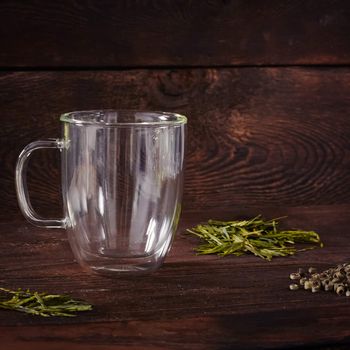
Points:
x=173, y=33
x=192, y=302
x=256, y=136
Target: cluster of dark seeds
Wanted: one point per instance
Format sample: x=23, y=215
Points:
x=335, y=279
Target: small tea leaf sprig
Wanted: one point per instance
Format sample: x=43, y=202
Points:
x=257, y=236
x=41, y=304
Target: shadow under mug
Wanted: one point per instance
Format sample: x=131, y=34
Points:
x=122, y=179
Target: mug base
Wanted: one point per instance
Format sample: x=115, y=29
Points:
x=122, y=270
x=123, y=266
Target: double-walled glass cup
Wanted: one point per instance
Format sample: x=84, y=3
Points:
x=122, y=177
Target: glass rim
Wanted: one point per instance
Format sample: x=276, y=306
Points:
x=73, y=118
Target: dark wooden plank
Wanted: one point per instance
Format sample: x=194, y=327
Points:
x=204, y=333
x=162, y=33
x=256, y=136
x=192, y=302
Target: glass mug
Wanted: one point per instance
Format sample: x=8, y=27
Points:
x=122, y=179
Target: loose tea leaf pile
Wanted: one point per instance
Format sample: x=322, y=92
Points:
x=257, y=236
x=335, y=279
x=41, y=304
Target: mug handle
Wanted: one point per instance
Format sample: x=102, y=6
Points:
x=22, y=189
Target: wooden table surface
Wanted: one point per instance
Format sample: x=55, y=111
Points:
x=192, y=302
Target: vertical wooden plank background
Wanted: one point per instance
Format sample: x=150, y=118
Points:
x=265, y=86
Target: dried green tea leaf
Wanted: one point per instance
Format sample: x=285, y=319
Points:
x=41, y=304
x=257, y=236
